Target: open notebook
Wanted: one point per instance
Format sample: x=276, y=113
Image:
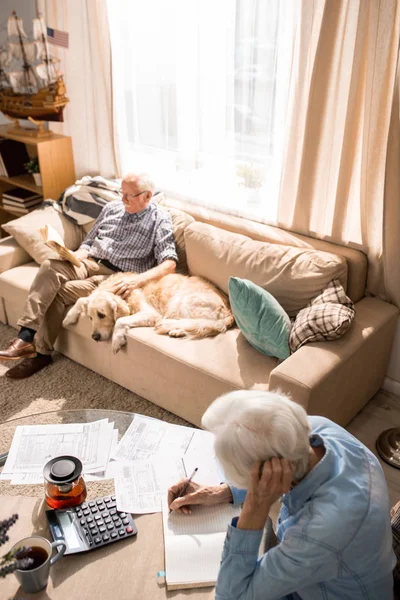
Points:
x=194, y=543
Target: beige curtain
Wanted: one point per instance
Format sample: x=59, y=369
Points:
x=341, y=176
x=86, y=65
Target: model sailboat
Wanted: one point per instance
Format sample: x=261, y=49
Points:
x=30, y=83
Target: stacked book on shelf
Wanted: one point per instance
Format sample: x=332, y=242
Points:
x=19, y=200
x=13, y=156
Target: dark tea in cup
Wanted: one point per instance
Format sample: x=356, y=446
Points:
x=37, y=555
x=35, y=576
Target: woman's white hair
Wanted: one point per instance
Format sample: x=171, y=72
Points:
x=143, y=181
x=251, y=426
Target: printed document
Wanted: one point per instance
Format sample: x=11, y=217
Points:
x=147, y=437
x=34, y=445
x=139, y=486
x=35, y=478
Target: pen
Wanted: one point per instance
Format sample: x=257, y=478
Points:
x=185, y=487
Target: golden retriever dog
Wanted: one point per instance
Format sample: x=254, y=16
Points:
x=175, y=305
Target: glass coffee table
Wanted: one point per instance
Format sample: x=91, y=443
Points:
x=121, y=421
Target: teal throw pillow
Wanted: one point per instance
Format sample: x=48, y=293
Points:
x=260, y=317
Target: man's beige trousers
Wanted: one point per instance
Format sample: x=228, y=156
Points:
x=58, y=284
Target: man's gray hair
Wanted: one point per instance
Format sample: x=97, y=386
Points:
x=251, y=426
x=143, y=181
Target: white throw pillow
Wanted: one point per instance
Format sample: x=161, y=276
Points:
x=25, y=231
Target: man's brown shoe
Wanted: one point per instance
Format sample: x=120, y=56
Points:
x=18, y=349
x=29, y=366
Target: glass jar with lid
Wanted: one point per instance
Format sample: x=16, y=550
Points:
x=64, y=484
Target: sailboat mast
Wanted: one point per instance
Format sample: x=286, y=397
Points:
x=26, y=66
x=46, y=60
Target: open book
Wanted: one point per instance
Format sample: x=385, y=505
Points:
x=53, y=240
x=194, y=543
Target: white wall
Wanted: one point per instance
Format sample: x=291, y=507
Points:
x=26, y=10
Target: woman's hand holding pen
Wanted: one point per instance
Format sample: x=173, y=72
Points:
x=197, y=494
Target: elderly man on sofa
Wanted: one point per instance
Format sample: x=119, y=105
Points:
x=129, y=235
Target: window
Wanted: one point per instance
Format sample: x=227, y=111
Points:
x=200, y=92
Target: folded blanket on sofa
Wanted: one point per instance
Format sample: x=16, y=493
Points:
x=83, y=201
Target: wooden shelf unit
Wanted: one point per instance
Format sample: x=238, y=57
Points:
x=56, y=163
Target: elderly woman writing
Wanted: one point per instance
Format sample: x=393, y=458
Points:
x=333, y=531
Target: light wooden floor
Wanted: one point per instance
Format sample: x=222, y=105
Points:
x=381, y=412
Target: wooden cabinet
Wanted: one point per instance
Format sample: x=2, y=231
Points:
x=56, y=164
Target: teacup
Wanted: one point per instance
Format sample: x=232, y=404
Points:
x=35, y=577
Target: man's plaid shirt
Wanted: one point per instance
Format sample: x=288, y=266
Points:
x=132, y=242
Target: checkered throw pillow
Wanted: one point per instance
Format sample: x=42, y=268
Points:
x=335, y=294
x=328, y=317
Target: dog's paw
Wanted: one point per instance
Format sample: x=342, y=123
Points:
x=69, y=320
x=176, y=333
x=160, y=328
x=118, y=341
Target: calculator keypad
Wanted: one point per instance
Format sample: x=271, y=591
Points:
x=101, y=523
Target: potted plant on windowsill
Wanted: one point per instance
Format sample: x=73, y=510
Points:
x=251, y=177
x=33, y=168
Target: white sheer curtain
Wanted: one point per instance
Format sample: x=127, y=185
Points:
x=86, y=65
x=200, y=92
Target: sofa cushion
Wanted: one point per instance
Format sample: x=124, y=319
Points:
x=25, y=231
x=262, y=320
x=294, y=276
x=18, y=280
x=356, y=260
x=14, y=287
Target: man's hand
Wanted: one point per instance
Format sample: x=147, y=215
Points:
x=124, y=288
x=269, y=481
x=197, y=494
x=81, y=253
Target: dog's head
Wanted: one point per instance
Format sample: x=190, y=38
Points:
x=103, y=309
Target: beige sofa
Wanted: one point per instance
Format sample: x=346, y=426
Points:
x=334, y=379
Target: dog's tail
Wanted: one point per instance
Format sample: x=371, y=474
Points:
x=194, y=328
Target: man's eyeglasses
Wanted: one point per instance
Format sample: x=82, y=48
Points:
x=131, y=196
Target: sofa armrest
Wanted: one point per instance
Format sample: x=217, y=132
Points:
x=335, y=379
x=11, y=254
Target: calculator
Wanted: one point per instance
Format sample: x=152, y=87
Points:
x=90, y=525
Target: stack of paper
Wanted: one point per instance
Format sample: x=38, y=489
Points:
x=151, y=456
x=34, y=445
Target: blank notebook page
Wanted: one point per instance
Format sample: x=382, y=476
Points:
x=194, y=543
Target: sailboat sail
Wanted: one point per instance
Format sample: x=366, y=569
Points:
x=4, y=58
x=39, y=28
x=16, y=51
x=48, y=72
x=23, y=82
x=15, y=27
